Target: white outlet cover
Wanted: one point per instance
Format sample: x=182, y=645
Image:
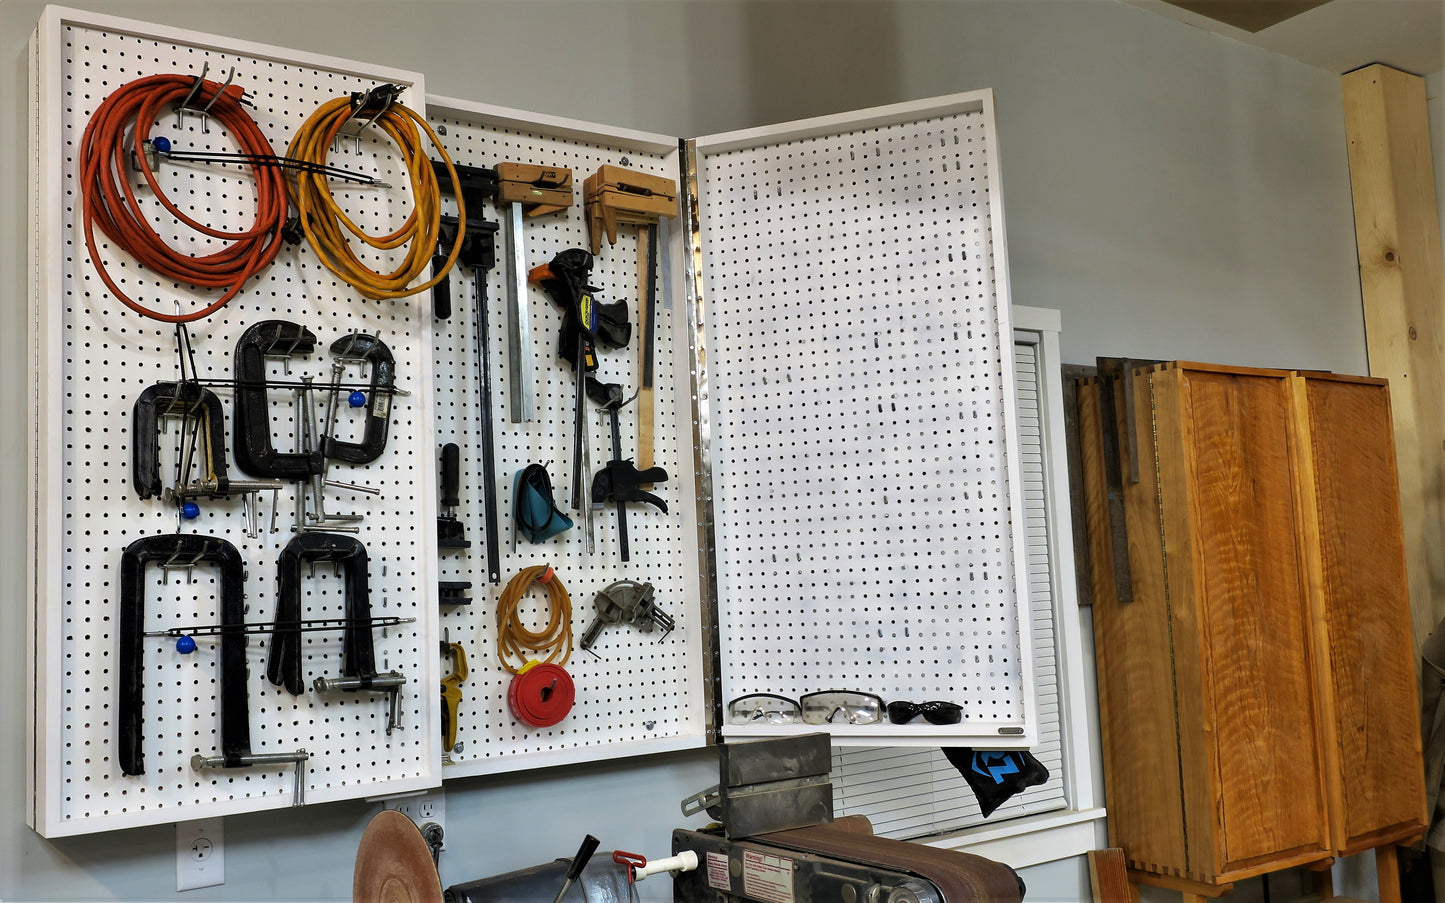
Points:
x=200, y=853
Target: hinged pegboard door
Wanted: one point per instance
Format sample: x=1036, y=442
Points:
x=860, y=402
x=637, y=693
x=91, y=361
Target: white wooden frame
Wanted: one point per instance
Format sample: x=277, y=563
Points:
x=1074, y=831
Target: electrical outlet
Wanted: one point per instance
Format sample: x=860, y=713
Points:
x=422, y=808
x=200, y=855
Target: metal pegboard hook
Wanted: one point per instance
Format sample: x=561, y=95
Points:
x=206, y=110
x=186, y=104
x=174, y=562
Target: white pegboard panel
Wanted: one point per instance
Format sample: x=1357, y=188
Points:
x=868, y=513
x=640, y=694
x=93, y=358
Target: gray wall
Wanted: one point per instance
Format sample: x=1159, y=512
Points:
x=1175, y=194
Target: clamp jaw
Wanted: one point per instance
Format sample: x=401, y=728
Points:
x=620, y=481
x=539, y=189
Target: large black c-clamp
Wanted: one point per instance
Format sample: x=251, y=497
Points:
x=358, y=659
x=255, y=453
x=180, y=550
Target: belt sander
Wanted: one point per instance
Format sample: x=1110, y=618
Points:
x=840, y=862
x=776, y=841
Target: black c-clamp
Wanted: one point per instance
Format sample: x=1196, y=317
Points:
x=360, y=346
x=186, y=399
x=358, y=657
x=182, y=550
x=283, y=663
x=254, y=452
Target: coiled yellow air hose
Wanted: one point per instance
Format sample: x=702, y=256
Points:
x=323, y=220
x=515, y=639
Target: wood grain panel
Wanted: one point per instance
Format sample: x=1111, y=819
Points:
x=1136, y=703
x=1365, y=596
x=1259, y=679
x=1161, y=400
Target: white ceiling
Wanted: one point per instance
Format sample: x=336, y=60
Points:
x=1343, y=34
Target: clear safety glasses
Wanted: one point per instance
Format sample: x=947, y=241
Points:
x=935, y=712
x=841, y=707
x=763, y=708
x=826, y=707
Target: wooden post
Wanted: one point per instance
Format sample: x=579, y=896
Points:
x=1397, y=234
x=1387, y=873
x=1109, y=877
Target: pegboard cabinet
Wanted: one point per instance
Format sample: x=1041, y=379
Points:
x=834, y=409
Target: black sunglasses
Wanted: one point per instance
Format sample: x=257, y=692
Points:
x=935, y=712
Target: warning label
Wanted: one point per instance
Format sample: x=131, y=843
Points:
x=767, y=878
x=717, y=872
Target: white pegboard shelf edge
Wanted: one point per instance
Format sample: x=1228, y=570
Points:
x=874, y=117
x=554, y=126
x=55, y=17
x=279, y=800
x=511, y=764
x=889, y=735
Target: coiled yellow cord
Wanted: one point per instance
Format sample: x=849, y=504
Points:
x=555, y=639
x=322, y=219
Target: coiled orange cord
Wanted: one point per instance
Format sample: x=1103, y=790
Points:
x=322, y=219
x=555, y=639
x=109, y=202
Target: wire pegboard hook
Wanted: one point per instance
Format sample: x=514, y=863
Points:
x=186, y=104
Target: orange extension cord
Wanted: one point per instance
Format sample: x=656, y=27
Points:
x=109, y=202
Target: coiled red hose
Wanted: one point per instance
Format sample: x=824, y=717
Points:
x=109, y=202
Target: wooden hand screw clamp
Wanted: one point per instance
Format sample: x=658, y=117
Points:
x=616, y=195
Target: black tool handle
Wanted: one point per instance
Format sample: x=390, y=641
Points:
x=451, y=474
x=584, y=855
x=441, y=293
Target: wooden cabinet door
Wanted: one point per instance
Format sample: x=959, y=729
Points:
x=1242, y=559
x=1360, y=597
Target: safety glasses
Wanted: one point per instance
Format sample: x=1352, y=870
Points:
x=763, y=708
x=826, y=707
x=841, y=707
x=935, y=712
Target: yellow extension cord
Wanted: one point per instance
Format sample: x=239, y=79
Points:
x=322, y=219
x=555, y=639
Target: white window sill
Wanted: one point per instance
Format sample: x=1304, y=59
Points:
x=1032, y=840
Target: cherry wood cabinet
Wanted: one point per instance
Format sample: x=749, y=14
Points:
x=1255, y=663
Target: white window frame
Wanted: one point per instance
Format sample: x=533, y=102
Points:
x=1078, y=828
